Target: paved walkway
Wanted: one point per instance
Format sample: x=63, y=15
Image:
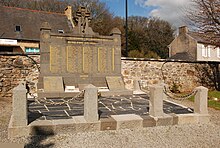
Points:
x=55, y=108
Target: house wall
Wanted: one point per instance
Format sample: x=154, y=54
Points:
x=212, y=53
x=185, y=75
x=183, y=43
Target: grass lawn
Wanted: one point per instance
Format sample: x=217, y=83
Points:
x=213, y=99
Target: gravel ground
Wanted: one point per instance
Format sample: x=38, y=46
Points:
x=192, y=135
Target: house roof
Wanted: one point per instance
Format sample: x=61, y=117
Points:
x=202, y=38
x=30, y=22
x=185, y=56
x=199, y=37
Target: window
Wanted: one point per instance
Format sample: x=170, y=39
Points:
x=6, y=49
x=206, y=51
x=60, y=31
x=32, y=50
x=17, y=28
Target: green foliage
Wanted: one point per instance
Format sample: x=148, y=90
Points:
x=136, y=54
x=149, y=36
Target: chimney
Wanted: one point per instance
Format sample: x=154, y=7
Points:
x=183, y=30
x=69, y=14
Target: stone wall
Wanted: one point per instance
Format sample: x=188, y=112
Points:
x=184, y=76
x=17, y=68
x=181, y=76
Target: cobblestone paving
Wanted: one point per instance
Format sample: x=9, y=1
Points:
x=115, y=105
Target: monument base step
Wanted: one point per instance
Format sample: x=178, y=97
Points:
x=116, y=93
x=56, y=94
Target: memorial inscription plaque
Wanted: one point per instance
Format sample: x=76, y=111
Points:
x=115, y=83
x=53, y=84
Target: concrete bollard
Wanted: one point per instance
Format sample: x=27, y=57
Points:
x=201, y=100
x=136, y=85
x=19, y=105
x=156, y=101
x=91, y=103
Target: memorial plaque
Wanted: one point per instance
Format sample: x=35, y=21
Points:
x=74, y=59
x=55, y=60
x=87, y=59
x=102, y=60
x=53, y=84
x=115, y=83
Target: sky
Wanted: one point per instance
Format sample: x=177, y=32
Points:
x=169, y=10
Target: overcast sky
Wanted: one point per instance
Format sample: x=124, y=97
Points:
x=169, y=10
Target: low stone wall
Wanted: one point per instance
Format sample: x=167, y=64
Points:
x=17, y=68
x=180, y=76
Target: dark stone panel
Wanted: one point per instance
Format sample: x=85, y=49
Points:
x=75, y=112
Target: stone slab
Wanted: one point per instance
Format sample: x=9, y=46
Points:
x=83, y=126
x=202, y=118
x=148, y=121
x=64, y=126
x=17, y=131
x=115, y=83
x=108, y=124
x=128, y=121
x=53, y=84
x=56, y=94
x=164, y=120
x=187, y=119
x=116, y=93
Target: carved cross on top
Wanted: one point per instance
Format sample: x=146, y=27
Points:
x=82, y=18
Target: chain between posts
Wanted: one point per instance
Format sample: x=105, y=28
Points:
x=50, y=102
x=174, y=96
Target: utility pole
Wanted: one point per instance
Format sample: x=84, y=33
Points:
x=126, y=28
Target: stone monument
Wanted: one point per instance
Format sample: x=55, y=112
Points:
x=80, y=57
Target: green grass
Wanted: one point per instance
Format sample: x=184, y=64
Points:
x=211, y=102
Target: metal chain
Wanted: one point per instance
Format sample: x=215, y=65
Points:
x=50, y=102
x=178, y=97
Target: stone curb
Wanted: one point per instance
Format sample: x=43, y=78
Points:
x=115, y=122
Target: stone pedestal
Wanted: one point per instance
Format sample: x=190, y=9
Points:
x=201, y=100
x=19, y=106
x=91, y=103
x=156, y=101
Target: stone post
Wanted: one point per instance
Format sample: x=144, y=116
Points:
x=201, y=100
x=136, y=85
x=19, y=105
x=156, y=101
x=91, y=103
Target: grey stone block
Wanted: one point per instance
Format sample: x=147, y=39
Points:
x=164, y=121
x=108, y=124
x=148, y=121
x=83, y=126
x=91, y=103
x=128, y=121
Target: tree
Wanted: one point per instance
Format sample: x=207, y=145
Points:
x=149, y=37
x=205, y=17
x=101, y=17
